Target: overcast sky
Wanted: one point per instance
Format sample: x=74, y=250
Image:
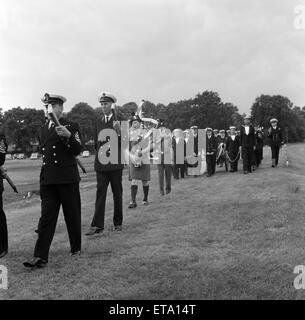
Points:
x=159, y=50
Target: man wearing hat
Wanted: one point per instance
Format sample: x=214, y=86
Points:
x=211, y=149
x=232, y=149
x=107, y=172
x=247, y=144
x=3, y=223
x=59, y=182
x=276, y=141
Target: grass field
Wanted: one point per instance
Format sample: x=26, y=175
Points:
x=231, y=236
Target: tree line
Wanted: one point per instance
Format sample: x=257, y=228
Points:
x=206, y=109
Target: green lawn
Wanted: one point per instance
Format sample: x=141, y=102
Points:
x=231, y=236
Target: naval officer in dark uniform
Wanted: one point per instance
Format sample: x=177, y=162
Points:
x=276, y=141
x=3, y=223
x=59, y=182
x=107, y=172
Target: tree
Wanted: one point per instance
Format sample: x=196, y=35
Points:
x=266, y=107
x=22, y=127
x=85, y=117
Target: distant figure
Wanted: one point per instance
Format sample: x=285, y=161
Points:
x=247, y=144
x=221, y=146
x=211, y=149
x=178, y=144
x=276, y=141
x=233, y=149
x=164, y=148
x=3, y=223
x=258, y=153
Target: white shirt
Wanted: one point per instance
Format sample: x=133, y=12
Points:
x=233, y=137
x=51, y=123
x=108, y=118
x=247, y=129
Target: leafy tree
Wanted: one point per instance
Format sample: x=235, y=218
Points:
x=85, y=117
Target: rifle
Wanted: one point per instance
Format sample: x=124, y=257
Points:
x=55, y=120
x=8, y=179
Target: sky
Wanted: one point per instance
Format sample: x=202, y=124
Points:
x=158, y=50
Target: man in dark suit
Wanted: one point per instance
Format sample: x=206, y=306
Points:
x=276, y=141
x=59, y=182
x=107, y=172
x=211, y=149
x=3, y=223
x=247, y=144
x=233, y=149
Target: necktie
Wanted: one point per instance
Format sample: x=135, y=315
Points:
x=51, y=125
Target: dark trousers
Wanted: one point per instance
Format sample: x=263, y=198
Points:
x=52, y=197
x=234, y=165
x=164, y=170
x=178, y=168
x=275, y=151
x=258, y=156
x=103, y=179
x=211, y=164
x=247, y=154
x=3, y=227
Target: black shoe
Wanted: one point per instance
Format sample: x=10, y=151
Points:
x=35, y=263
x=94, y=230
x=168, y=191
x=231, y=170
x=3, y=254
x=75, y=254
x=145, y=202
x=117, y=228
x=132, y=205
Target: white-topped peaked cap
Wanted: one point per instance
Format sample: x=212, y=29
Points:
x=106, y=97
x=53, y=98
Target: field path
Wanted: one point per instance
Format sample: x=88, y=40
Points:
x=231, y=236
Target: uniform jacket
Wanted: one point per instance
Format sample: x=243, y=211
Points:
x=3, y=150
x=58, y=154
x=98, y=166
x=233, y=146
x=247, y=140
x=275, y=136
x=211, y=144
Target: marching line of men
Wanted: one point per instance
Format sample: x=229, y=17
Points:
x=60, y=144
